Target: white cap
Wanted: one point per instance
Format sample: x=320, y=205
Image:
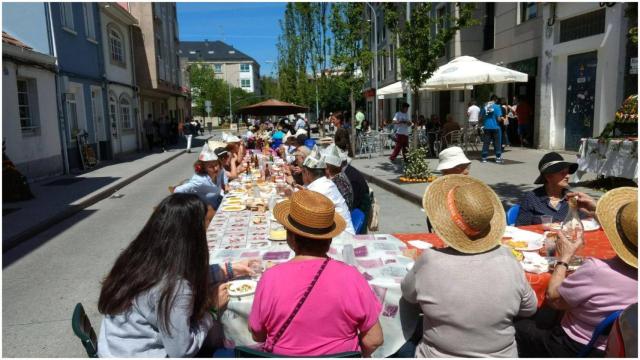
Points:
x=315, y=160
x=301, y=132
x=207, y=154
x=451, y=157
x=332, y=155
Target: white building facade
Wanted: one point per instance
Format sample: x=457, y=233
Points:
x=123, y=115
x=30, y=111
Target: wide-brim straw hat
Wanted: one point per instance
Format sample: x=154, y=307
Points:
x=553, y=162
x=617, y=212
x=310, y=214
x=465, y=213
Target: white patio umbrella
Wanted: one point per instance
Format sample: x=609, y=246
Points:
x=467, y=70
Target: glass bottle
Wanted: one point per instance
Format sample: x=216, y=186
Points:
x=572, y=226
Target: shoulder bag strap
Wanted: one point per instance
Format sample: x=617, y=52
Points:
x=268, y=346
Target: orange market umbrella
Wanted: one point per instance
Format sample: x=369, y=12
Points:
x=272, y=107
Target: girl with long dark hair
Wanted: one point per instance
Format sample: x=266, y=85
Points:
x=156, y=296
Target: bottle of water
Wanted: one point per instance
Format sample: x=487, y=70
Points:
x=572, y=227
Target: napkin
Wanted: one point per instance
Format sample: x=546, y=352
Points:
x=420, y=244
x=534, y=263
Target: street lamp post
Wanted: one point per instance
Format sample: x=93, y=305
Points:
x=375, y=62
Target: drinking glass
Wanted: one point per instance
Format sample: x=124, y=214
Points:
x=257, y=267
x=546, y=221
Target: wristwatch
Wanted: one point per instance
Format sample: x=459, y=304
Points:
x=566, y=265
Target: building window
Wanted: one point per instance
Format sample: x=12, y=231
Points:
x=113, y=110
x=528, y=11
x=89, y=25
x=217, y=68
x=116, y=46
x=489, y=25
x=66, y=11
x=582, y=26
x=27, y=104
x=244, y=68
x=245, y=83
x=441, y=23
x=125, y=112
x=72, y=113
x=392, y=59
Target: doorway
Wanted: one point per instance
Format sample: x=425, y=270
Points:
x=581, y=85
x=444, y=105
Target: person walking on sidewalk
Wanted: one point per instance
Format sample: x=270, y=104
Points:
x=187, y=129
x=402, y=123
x=147, y=125
x=504, y=123
x=490, y=114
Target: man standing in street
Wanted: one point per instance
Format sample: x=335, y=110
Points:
x=300, y=123
x=523, y=113
x=341, y=136
x=490, y=114
x=472, y=114
x=147, y=125
x=188, y=133
x=402, y=123
x=359, y=120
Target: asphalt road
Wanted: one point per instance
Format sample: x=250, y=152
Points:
x=65, y=264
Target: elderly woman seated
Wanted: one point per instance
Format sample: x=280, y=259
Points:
x=552, y=197
x=309, y=292
x=204, y=182
x=333, y=158
x=471, y=291
x=595, y=290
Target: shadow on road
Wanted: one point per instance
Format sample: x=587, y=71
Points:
x=511, y=193
x=34, y=243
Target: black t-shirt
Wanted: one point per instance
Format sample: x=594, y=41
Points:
x=359, y=185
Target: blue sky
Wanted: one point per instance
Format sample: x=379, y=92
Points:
x=250, y=27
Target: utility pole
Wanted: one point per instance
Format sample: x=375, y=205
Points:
x=317, y=106
x=375, y=63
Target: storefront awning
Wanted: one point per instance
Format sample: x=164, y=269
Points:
x=393, y=91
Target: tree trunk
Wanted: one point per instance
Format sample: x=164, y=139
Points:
x=352, y=100
x=320, y=126
x=416, y=102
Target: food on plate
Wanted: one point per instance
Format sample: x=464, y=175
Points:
x=259, y=219
x=517, y=244
x=232, y=208
x=278, y=235
x=242, y=287
x=238, y=191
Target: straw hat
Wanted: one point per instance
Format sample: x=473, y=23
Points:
x=553, y=162
x=310, y=214
x=207, y=154
x=451, y=157
x=325, y=141
x=465, y=213
x=617, y=212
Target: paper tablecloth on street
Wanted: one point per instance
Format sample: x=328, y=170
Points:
x=233, y=236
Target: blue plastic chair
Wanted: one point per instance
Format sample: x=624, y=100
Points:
x=357, y=218
x=275, y=143
x=512, y=214
x=310, y=143
x=602, y=329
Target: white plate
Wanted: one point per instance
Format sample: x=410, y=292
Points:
x=590, y=225
x=236, y=285
x=534, y=240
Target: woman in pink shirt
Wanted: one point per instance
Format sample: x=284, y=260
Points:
x=312, y=305
x=595, y=290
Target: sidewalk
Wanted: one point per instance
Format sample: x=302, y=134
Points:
x=509, y=180
x=58, y=198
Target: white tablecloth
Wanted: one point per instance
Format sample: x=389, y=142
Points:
x=232, y=236
x=609, y=158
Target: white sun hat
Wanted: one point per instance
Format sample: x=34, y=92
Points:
x=300, y=132
x=207, y=154
x=315, y=160
x=230, y=138
x=332, y=155
x=451, y=157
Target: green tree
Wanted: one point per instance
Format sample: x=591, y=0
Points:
x=424, y=38
x=350, y=55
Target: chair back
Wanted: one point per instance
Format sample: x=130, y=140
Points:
x=602, y=329
x=623, y=339
x=512, y=214
x=84, y=331
x=247, y=352
x=453, y=138
x=310, y=143
x=358, y=219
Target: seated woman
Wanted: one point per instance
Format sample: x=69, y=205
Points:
x=595, y=290
x=156, y=297
x=471, y=291
x=223, y=178
x=333, y=160
x=294, y=170
x=552, y=197
x=203, y=182
x=343, y=318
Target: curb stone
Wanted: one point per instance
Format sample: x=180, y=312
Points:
x=27, y=234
